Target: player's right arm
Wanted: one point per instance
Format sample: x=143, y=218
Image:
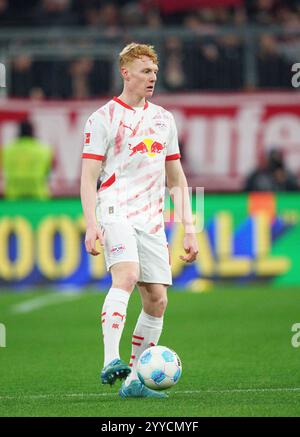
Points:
x=94, y=150
x=90, y=172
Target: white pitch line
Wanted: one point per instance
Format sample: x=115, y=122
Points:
x=242, y=390
x=44, y=301
x=95, y=395
x=55, y=396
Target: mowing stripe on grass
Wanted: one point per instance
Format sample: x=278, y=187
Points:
x=44, y=301
x=93, y=395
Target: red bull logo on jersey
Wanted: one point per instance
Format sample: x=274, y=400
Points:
x=148, y=146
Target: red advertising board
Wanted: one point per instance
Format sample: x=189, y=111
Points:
x=171, y=6
x=222, y=136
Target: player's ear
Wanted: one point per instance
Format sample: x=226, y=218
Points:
x=124, y=73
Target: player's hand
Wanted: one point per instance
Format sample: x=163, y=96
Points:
x=190, y=246
x=92, y=235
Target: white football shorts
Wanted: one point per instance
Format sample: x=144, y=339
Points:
x=122, y=242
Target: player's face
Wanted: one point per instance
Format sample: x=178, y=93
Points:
x=141, y=76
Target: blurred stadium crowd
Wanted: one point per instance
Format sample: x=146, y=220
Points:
x=112, y=14
x=208, y=60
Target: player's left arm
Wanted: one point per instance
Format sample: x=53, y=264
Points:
x=177, y=184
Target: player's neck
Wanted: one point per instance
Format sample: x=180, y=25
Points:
x=132, y=100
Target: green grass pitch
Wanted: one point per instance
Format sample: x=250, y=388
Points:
x=235, y=345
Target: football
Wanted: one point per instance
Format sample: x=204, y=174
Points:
x=159, y=367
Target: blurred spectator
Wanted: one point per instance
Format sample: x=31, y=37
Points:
x=153, y=19
x=173, y=75
x=209, y=61
x=260, y=179
x=273, y=69
x=132, y=15
x=208, y=65
x=55, y=13
x=26, y=166
x=87, y=78
x=272, y=175
x=91, y=17
x=6, y=16
x=110, y=12
x=51, y=78
x=109, y=18
x=80, y=79
x=79, y=84
x=262, y=11
x=240, y=17
x=23, y=76
x=283, y=179
x=231, y=77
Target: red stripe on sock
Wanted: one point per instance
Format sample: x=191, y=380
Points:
x=133, y=357
x=151, y=344
x=103, y=314
x=136, y=344
x=137, y=337
x=130, y=365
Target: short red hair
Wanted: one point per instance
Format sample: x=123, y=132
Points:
x=135, y=51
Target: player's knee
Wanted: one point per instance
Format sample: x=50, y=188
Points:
x=128, y=281
x=160, y=303
x=163, y=303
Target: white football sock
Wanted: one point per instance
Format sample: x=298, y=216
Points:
x=146, y=333
x=113, y=321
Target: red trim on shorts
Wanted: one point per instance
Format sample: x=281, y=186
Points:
x=117, y=100
x=93, y=156
x=108, y=182
x=172, y=157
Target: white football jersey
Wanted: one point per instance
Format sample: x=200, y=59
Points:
x=133, y=144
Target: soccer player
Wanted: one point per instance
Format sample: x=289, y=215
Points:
x=133, y=145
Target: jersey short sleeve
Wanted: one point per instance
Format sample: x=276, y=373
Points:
x=95, y=137
x=173, y=147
